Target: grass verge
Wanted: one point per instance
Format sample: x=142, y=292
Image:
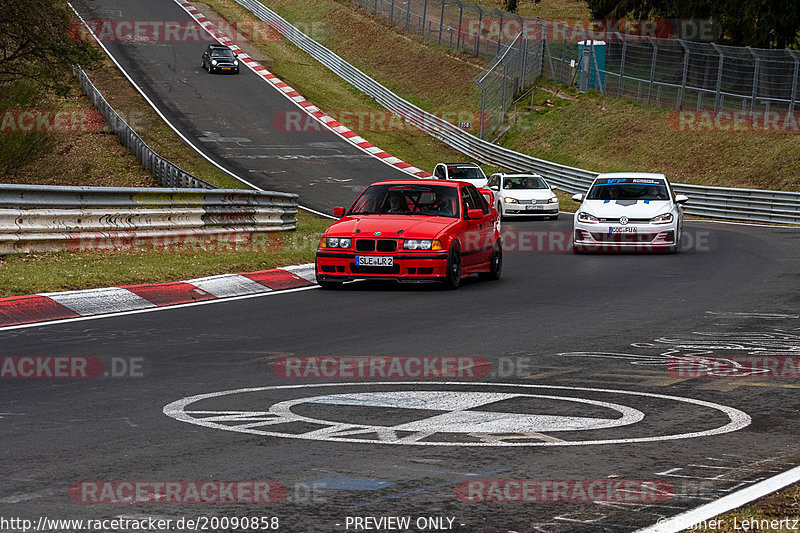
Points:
x=33, y=273
x=91, y=157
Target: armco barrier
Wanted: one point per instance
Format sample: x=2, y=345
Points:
x=719, y=202
x=166, y=173
x=42, y=218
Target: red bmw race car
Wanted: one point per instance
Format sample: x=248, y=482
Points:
x=412, y=230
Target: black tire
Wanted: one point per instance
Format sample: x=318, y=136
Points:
x=500, y=212
x=495, y=263
x=453, y=276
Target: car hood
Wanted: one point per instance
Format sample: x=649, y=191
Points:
x=412, y=226
x=528, y=194
x=628, y=208
x=477, y=182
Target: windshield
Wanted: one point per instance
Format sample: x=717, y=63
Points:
x=465, y=173
x=411, y=199
x=524, y=182
x=628, y=189
x=221, y=52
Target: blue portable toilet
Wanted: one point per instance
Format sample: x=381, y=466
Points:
x=596, y=55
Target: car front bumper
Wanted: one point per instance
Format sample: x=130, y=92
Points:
x=529, y=210
x=638, y=237
x=408, y=266
x=224, y=68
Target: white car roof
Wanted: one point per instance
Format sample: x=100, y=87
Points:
x=650, y=175
x=520, y=175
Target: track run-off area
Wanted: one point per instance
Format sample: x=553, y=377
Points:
x=577, y=375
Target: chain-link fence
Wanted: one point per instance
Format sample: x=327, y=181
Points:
x=660, y=71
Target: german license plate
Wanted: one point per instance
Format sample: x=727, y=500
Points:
x=627, y=229
x=375, y=261
x=534, y=207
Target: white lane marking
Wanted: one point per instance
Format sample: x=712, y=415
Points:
x=769, y=316
x=154, y=309
x=705, y=512
x=177, y=410
x=99, y=301
x=227, y=285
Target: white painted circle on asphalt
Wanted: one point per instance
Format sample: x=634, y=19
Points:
x=475, y=417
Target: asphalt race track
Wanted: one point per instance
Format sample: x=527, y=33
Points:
x=238, y=121
x=580, y=347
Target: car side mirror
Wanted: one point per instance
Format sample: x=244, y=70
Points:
x=474, y=214
x=338, y=212
x=577, y=197
x=495, y=187
x=681, y=198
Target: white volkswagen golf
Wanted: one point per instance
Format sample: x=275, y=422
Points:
x=523, y=195
x=628, y=211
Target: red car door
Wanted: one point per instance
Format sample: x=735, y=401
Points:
x=473, y=236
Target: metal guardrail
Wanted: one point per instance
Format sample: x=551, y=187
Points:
x=49, y=218
x=719, y=202
x=166, y=173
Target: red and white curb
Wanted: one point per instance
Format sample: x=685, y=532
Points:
x=47, y=307
x=309, y=108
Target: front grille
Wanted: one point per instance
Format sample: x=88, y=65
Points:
x=365, y=245
x=385, y=245
x=630, y=220
x=641, y=238
x=371, y=245
x=533, y=201
x=358, y=269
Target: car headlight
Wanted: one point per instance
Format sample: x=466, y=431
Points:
x=337, y=242
x=417, y=244
x=510, y=200
x=586, y=218
x=553, y=200
x=235, y=63
x=665, y=218
x=214, y=62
